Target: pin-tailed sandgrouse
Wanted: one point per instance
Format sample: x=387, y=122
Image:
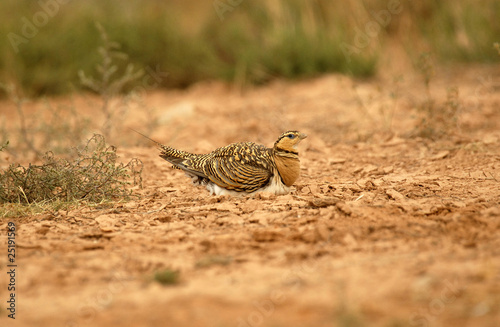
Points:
x=242, y=168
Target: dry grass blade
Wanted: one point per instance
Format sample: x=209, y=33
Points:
x=93, y=176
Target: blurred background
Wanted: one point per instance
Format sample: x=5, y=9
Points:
x=47, y=42
x=69, y=69
x=400, y=100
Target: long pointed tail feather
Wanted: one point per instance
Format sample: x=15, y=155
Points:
x=176, y=157
x=167, y=153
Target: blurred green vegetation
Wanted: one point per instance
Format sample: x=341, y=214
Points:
x=460, y=31
x=238, y=41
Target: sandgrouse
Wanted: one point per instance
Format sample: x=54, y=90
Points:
x=242, y=168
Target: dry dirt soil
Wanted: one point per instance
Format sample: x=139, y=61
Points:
x=395, y=220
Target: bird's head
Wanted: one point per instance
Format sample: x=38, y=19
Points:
x=288, y=141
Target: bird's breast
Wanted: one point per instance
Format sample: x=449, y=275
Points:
x=288, y=168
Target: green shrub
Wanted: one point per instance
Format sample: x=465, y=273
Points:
x=251, y=42
x=159, y=36
x=94, y=176
x=459, y=31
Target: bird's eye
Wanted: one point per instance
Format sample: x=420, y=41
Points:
x=291, y=136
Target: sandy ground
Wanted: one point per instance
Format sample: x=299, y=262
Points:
x=383, y=228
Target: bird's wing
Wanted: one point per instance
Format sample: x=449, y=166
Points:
x=243, y=167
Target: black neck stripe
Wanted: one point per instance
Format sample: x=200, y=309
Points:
x=286, y=151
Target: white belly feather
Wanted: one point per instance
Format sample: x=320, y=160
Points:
x=275, y=186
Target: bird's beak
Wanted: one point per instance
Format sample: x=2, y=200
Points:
x=302, y=136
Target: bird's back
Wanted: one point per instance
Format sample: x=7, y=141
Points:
x=240, y=167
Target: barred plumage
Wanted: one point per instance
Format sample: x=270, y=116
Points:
x=242, y=168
